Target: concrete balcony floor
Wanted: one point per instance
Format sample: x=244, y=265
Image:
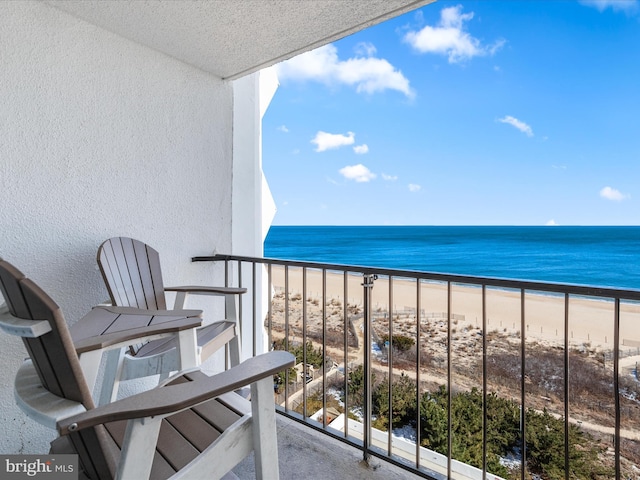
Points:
x=307, y=454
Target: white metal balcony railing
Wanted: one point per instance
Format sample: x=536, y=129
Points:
x=453, y=376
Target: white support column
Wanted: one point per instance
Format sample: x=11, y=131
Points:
x=253, y=207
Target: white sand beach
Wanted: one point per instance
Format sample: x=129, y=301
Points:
x=591, y=321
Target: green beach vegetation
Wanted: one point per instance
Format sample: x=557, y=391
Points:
x=544, y=432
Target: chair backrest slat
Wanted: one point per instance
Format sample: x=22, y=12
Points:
x=9, y=278
x=132, y=274
x=86, y=443
x=110, y=273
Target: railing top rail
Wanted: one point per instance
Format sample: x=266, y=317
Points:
x=538, y=286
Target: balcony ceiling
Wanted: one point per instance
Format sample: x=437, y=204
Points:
x=232, y=38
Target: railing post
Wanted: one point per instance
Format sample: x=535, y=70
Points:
x=367, y=285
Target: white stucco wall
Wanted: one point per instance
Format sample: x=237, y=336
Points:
x=101, y=137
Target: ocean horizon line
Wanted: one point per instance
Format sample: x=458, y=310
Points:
x=455, y=226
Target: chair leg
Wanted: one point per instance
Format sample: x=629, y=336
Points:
x=181, y=297
x=188, y=349
x=234, y=350
x=232, y=315
x=90, y=364
x=138, y=446
x=112, y=374
x=265, y=440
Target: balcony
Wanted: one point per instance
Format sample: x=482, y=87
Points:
x=444, y=376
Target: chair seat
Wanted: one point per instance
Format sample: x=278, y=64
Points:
x=183, y=436
x=210, y=338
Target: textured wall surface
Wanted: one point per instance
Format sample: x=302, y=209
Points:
x=101, y=137
x=230, y=38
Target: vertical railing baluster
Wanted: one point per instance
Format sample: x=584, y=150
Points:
x=390, y=362
x=324, y=348
x=523, y=414
x=254, y=310
x=269, y=307
x=367, y=285
x=567, y=438
x=418, y=308
x=616, y=383
x=345, y=289
x=304, y=342
x=286, y=333
x=227, y=359
x=240, y=310
x=484, y=382
x=449, y=389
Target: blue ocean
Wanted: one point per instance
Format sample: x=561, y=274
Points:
x=595, y=256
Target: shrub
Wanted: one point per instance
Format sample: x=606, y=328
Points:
x=403, y=402
x=544, y=436
x=314, y=403
x=401, y=343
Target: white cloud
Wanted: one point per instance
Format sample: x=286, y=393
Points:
x=414, y=188
x=365, y=49
x=283, y=128
x=628, y=6
x=389, y=178
x=520, y=125
x=551, y=223
x=359, y=173
x=327, y=141
x=361, y=149
x=449, y=38
x=613, y=194
x=366, y=73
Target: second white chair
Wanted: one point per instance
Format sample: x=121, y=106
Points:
x=132, y=275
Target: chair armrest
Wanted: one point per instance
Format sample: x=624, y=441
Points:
x=227, y=292
x=155, y=313
x=22, y=327
x=174, y=398
x=176, y=321
x=201, y=290
x=37, y=402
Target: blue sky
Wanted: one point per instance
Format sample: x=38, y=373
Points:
x=464, y=113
